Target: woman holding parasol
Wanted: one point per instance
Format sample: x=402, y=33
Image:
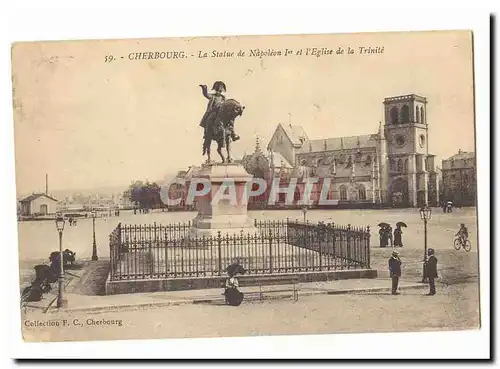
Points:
x=398, y=232
x=384, y=236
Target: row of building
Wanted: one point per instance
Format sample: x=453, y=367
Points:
x=390, y=167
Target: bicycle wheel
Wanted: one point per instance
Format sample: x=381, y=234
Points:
x=457, y=244
x=467, y=245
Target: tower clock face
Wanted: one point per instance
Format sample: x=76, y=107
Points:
x=421, y=140
x=400, y=140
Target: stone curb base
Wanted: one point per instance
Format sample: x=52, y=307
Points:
x=251, y=296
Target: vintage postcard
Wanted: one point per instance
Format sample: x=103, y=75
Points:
x=246, y=186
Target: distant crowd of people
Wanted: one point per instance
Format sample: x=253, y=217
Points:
x=390, y=238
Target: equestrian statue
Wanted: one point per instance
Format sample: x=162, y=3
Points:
x=218, y=121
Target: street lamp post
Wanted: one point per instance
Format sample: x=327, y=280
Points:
x=94, y=245
x=61, y=301
x=425, y=215
x=304, y=211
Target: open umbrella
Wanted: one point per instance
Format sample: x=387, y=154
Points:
x=401, y=224
x=384, y=224
x=235, y=268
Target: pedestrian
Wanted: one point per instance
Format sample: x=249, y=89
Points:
x=383, y=237
x=431, y=271
x=389, y=235
x=395, y=271
x=398, y=240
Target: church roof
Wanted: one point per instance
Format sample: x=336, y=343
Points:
x=296, y=134
x=279, y=160
x=339, y=143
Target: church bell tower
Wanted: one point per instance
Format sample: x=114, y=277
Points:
x=408, y=158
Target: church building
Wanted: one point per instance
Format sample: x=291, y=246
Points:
x=391, y=167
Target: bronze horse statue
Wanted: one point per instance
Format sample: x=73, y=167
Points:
x=222, y=129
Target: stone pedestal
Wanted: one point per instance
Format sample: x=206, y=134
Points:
x=224, y=207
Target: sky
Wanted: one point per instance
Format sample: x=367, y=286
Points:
x=89, y=123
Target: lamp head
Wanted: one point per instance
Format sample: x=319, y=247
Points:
x=60, y=223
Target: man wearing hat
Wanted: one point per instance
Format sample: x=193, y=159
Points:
x=431, y=271
x=395, y=271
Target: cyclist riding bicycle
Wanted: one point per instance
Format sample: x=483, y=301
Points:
x=463, y=233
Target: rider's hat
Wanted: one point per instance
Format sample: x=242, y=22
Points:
x=395, y=253
x=218, y=84
x=430, y=252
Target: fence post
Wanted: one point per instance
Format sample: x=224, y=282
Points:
x=320, y=249
x=348, y=250
x=367, y=246
x=270, y=251
x=219, y=246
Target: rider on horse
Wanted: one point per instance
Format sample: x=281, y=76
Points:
x=216, y=99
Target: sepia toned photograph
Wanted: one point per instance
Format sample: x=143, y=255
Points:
x=246, y=186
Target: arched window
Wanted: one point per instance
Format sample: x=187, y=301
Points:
x=405, y=114
x=394, y=115
x=417, y=119
x=422, y=117
x=400, y=165
x=392, y=165
x=361, y=192
x=426, y=164
x=406, y=166
x=368, y=160
x=343, y=192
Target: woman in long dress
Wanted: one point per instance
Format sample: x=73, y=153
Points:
x=398, y=240
x=233, y=296
x=384, y=238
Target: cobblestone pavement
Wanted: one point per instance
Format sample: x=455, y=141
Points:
x=454, y=307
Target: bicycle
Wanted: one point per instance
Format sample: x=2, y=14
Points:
x=460, y=242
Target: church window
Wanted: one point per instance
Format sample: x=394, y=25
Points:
x=406, y=166
x=343, y=192
x=361, y=192
x=422, y=114
x=394, y=115
x=418, y=115
x=400, y=165
x=368, y=160
x=392, y=165
x=405, y=114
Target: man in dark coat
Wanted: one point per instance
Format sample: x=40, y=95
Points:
x=395, y=271
x=431, y=272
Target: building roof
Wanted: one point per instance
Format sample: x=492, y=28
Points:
x=296, y=134
x=279, y=160
x=36, y=196
x=339, y=143
x=462, y=155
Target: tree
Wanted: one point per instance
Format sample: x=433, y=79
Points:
x=144, y=195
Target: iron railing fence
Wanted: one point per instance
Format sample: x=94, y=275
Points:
x=274, y=247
